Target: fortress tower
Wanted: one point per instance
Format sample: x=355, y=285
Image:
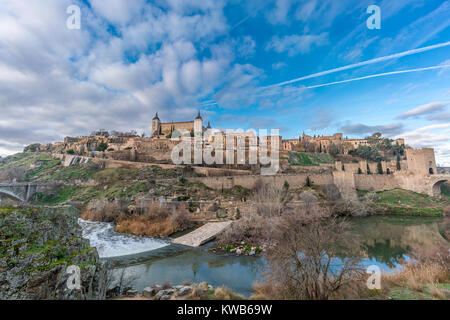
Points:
x=198, y=124
x=156, y=126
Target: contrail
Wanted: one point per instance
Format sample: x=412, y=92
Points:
x=359, y=78
x=379, y=75
x=363, y=63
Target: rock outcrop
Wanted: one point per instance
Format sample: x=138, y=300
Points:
x=38, y=245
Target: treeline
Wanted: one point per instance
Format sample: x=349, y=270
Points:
x=378, y=143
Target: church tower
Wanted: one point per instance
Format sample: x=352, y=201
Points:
x=198, y=125
x=156, y=126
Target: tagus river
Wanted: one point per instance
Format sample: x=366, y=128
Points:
x=145, y=261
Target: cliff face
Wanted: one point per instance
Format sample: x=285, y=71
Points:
x=37, y=247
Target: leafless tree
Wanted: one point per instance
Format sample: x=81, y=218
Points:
x=270, y=200
x=305, y=262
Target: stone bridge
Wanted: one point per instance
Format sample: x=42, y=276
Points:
x=437, y=181
x=21, y=191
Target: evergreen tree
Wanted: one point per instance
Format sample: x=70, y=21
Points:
x=379, y=168
x=368, y=168
x=399, y=167
x=308, y=182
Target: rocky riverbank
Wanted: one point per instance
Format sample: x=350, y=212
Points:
x=187, y=291
x=38, y=246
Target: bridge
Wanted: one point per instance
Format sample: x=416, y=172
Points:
x=437, y=181
x=203, y=234
x=21, y=191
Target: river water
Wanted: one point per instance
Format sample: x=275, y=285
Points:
x=146, y=261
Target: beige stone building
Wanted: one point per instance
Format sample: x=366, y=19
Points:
x=160, y=129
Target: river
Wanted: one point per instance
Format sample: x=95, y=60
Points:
x=386, y=240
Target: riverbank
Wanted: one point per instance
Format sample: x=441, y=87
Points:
x=186, y=291
x=38, y=246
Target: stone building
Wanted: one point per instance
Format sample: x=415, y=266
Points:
x=160, y=129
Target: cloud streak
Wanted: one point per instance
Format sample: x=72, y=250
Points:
x=363, y=63
x=424, y=109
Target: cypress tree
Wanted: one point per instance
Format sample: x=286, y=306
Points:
x=379, y=168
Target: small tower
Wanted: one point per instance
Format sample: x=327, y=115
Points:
x=209, y=125
x=156, y=126
x=198, y=125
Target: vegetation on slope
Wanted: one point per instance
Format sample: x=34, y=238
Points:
x=38, y=244
x=399, y=201
x=309, y=159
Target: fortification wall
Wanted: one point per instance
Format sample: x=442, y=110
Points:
x=109, y=163
x=295, y=181
x=421, y=161
x=375, y=182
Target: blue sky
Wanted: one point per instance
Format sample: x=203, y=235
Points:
x=229, y=59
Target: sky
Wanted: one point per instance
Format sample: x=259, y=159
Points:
x=298, y=66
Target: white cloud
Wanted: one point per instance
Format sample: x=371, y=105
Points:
x=69, y=82
x=433, y=136
x=428, y=108
x=295, y=44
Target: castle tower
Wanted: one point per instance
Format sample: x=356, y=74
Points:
x=198, y=125
x=156, y=126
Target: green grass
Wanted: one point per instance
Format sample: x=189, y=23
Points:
x=24, y=160
x=404, y=293
x=63, y=194
x=309, y=159
x=405, y=202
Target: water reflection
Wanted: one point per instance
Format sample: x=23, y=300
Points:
x=386, y=241
x=178, y=264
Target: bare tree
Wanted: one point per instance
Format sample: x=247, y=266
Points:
x=306, y=261
x=270, y=200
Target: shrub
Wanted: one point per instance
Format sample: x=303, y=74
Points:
x=102, y=210
x=102, y=146
x=158, y=220
x=70, y=151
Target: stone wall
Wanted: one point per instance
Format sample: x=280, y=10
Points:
x=295, y=181
x=68, y=160
x=375, y=182
x=421, y=161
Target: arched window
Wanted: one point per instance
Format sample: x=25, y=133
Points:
x=431, y=171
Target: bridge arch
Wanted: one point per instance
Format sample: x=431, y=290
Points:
x=11, y=194
x=437, y=188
